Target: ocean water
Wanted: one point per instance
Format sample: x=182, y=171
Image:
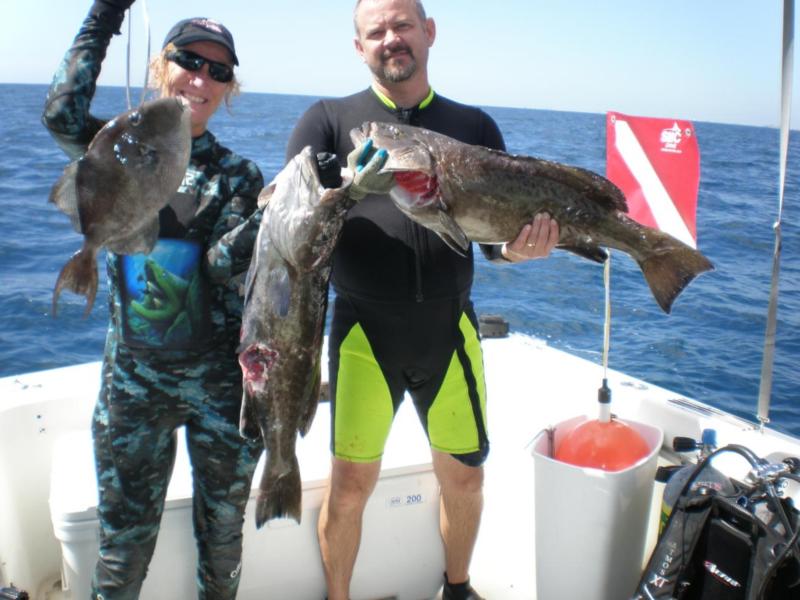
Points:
x=710, y=348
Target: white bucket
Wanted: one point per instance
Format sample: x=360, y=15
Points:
x=591, y=525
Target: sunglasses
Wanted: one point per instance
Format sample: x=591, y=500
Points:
x=194, y=62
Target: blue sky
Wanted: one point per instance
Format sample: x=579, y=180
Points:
x=706, y=60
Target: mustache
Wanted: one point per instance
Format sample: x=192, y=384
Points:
x=396, y=49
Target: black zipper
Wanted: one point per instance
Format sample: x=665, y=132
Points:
x=404, y=115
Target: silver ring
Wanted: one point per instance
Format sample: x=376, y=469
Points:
x=531, y=245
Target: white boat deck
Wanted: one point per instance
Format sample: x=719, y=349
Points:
x=533, y=387
x=530, y=387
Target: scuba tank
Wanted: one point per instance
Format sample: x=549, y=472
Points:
x=676, y=477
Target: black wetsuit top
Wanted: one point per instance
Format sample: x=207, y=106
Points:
x=383, y=255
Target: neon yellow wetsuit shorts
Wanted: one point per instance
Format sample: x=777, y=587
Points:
x=379, y=351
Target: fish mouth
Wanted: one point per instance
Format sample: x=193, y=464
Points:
x=359, y=134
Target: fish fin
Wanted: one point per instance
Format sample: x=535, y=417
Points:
x=248, y=419
x=311, y=410
x=312, y=401
x=592, y=252
x=265, y=194
x=79, y=275
x=280, y=493
x=594, y=187
x=668, y=273
x=65, y=196
x=141, y=241
x=452, y=234
x=250, y=280
x=598, y=188
x=252, y=270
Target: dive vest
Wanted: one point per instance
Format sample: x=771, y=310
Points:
x=734, y=543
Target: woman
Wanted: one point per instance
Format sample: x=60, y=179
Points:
x=175, y=315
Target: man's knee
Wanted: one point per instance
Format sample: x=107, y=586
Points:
x=457, y=477
x=352, y=483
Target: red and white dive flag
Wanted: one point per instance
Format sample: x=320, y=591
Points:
x=656, y=164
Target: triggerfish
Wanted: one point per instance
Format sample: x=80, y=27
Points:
x=114, y=192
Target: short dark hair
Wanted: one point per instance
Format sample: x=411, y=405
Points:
x=420, y=12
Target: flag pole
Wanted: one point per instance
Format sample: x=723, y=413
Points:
x=765, y=388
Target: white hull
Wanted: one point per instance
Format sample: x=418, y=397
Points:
x=530, y=387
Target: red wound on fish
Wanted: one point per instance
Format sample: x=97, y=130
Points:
x=417, y=182
x=256, y=362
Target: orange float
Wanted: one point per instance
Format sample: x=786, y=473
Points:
x=609, y=446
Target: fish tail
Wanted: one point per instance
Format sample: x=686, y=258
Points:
x=280, y=493
x=79, y=275
x=669, y=272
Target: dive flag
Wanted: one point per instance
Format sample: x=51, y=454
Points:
x=656, y=164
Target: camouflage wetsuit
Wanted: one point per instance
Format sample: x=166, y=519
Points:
x=170, y=356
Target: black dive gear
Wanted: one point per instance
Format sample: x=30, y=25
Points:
x=110, y=13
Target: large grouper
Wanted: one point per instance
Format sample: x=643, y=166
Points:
x=114, y=192
x=286, y=295
x=481, y=195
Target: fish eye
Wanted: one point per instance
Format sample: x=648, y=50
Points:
x=136, y=118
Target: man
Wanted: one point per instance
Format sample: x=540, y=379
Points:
x=402, y=318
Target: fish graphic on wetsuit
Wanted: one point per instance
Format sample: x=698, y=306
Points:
x=164, y=299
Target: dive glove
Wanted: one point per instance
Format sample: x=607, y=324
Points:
x=329, y=170
x=110, y=13
x=365, y=162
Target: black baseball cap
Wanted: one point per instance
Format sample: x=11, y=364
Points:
x=201, y=30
